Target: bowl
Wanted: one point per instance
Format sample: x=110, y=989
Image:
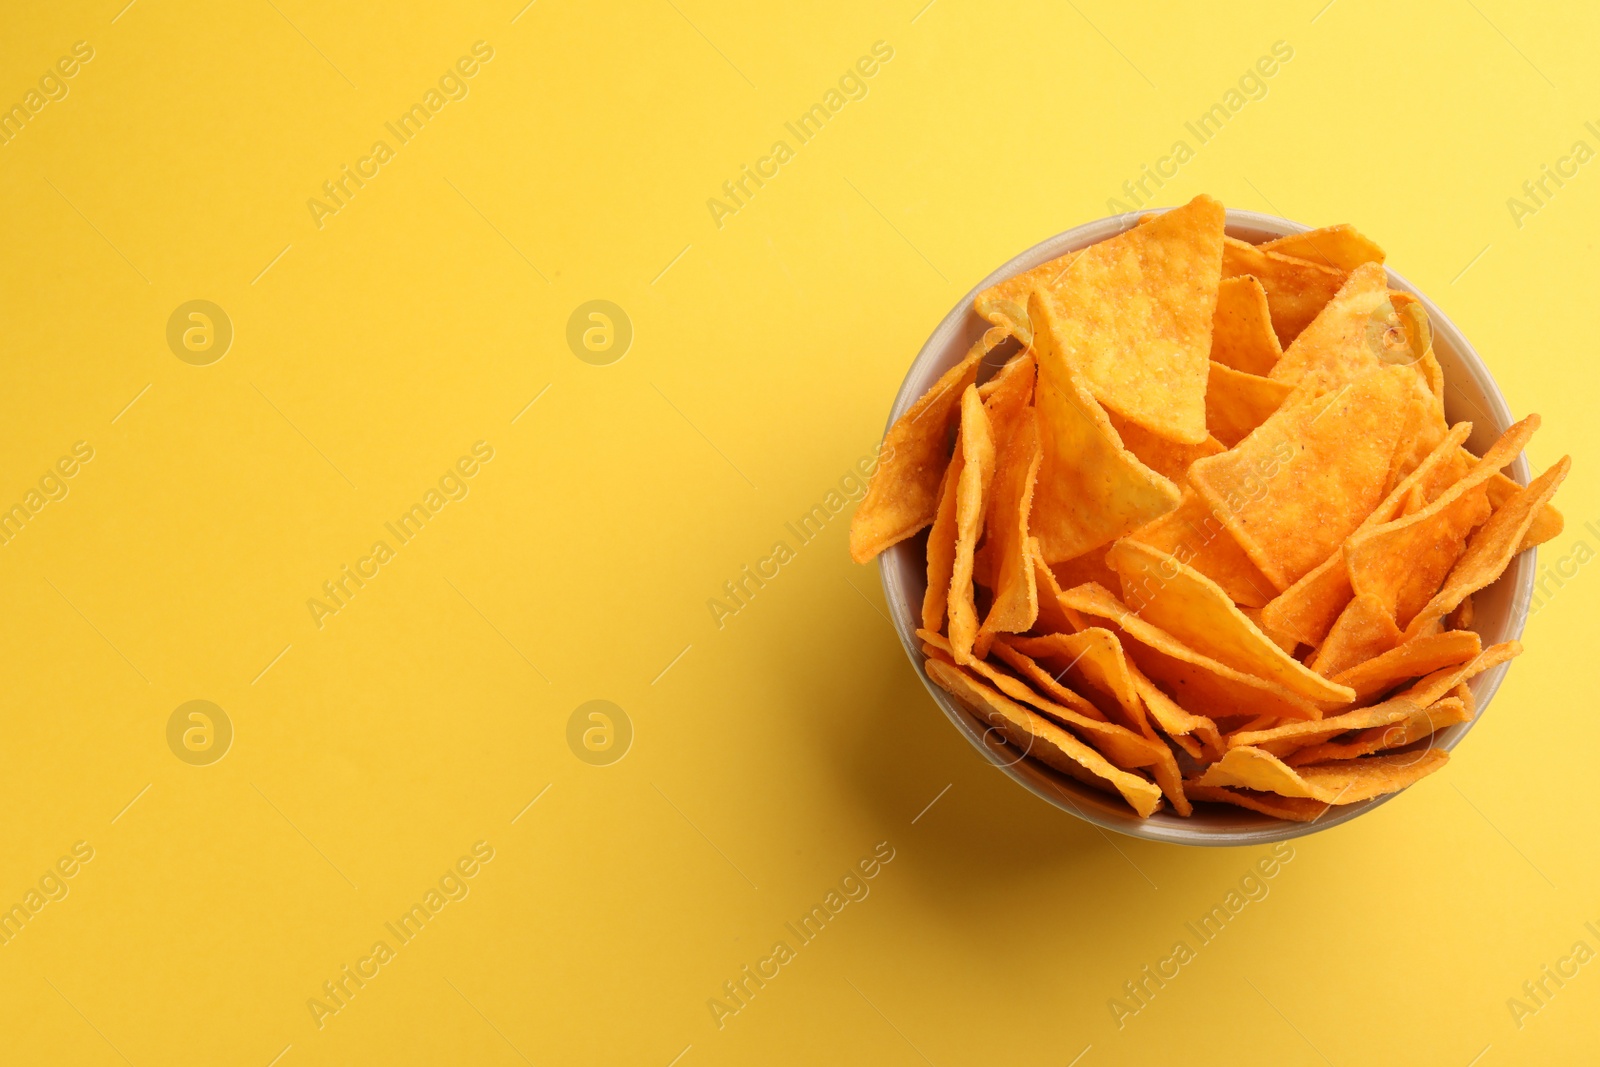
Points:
x=1499, y=611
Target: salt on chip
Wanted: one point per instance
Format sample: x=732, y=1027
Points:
x=1492, y=546
x=1296, y=288
x=1091, y=489
x=1341, y=247
x=1040, y=738
x=1292, y=491
x=904, y=492
x=1336, y=343
x=1241, y=330
x=1135, y=316
x=1192, y=608
x=1237, y=402
x=1417, y=724
x=972, y=490
x=1364, y=629
x=1415, y=658
x=1192, y=532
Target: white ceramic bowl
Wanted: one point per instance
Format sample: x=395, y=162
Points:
x=1499, y=611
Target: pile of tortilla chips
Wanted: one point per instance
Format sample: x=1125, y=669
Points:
x=1206, y=534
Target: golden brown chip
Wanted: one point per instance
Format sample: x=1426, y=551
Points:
x=1292, y=491
x=1433, y=687
x=1336, y=345
x=1237, y=403
x=1091, y=489
x=1080, y=570
x=1167, y=458
x=1134, y=316
x=1047, y=683
x=1296, y=288
x=1006, y=520
x=1241, y=331
x=941, y=549
x=1491, y=548
x=1340, y=247
x=1417, y=724
x=1339, y=782
x=1192, y=608
x=1547, y=521
x=1282, y=740
x=1091, y=660
x=972, y=490
x=1415, y=658
x=904, y=493
x=1052, y=617
x=1294, y=809
x=1038, y=737
x=1363, y=630
x=1193, y=533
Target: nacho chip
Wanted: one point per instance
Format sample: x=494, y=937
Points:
x=1363, y=630
x=1237, y=403
x=1339, y=782
x=1294, y=809
x=1241, y=330
x=941, y=549
x=1413, y=659
x=1167, y=458
x=1091, y=660
x=1336, y=344
x=1419, y=723
x=1006, y=519
x=1134, y=316
x=1296, y=288
x=972, y=490
x=1038, y=737
x=1433, y=687
x=1046, y=683
x=1340, y=247
x=1080, y=570
x=1091, y=489
x=904, y=492
x=1192, y=608
x=1052, y=617
x=1547, y=521
x=1193, y=533
x=1195, y=734
x=1282, y=740
x=1292, y=491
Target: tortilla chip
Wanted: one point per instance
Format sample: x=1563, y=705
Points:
x=1336, y=344
x=1006, y=521
x=1080, y=570
x=1282, y=740
x=1493, y=545
x=1091, y=489
x=1092, y=661
x=941, y=549
x=1195, y=734
x=1403, y=562
x=1340, y=247
x=1194, y=680
x=1417, y=724
x=1413, y=659
x=1293, y=809
x=904, y=492
x=1134, y=316
x=1167, y=458
x=1364, y=629
x=1461, y=617
x=1433, y=687
x=1292, y=491
x=1547, y=521
x=1339, y=782
x=1237, y=403
x=1194, y=533
x=1046, y=683
x=1192, y=608
x=1052, y=617
x=1308, y=608
x=972, y=490
x=1038, y=737
x=1241, y=330
x=1296, y=288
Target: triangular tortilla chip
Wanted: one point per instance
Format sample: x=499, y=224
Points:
x=1195, y=734
x=1296, y=288
x=1419, y=723
x=1016, y=601
x=1052, y=617
x=1135, y=316
x=1080, y=570
x=1241, y=330
x=1340, y=782
x=1282, y=740
x=904, y=493
x=1194, y=533
x=1038, y=737
x=1292, y=491
x=972, y=490
x=941, y=551
x=1364, y=629
x=1237, y=403
x=1547, y=521
x=1433, y=687
x=1413, y=659
x=1295, y=809
x=1336, y=344
x=1047, y=683
x=1091, y=489
x=1167, y=458
x=1192, y=608
x=1491, y=548
x=1340, y=247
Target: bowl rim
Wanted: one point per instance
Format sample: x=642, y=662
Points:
x=1061, y=791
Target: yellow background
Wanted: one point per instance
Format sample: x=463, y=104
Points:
x=779, y=749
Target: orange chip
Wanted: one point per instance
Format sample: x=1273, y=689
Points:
x=1434, y=686
x=1092, y=661
x=1091, y=489
x=1237, y=403
x=1195, y=734
x=1006, y=519
x=1296, y=289
x=1292, y=491
x=1052, y=617
x=1080, y=570
x=1294, y=809
x=1493, y=545
x=972, y=490
x=904, y=493
x=1193, y=609
x=942, y=547
x=1241, y=330
x=1336, y=344
x=1340, y=247
x=1193, y=533
x=1167, y=458
x=1547, y=521
x=1135, y=316
x=1281, y=740
x=1339, y=782
x=1045, y=682
x=1413, y=659
x=1363, y=630
x=1040, y=738
x=1417, y=724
